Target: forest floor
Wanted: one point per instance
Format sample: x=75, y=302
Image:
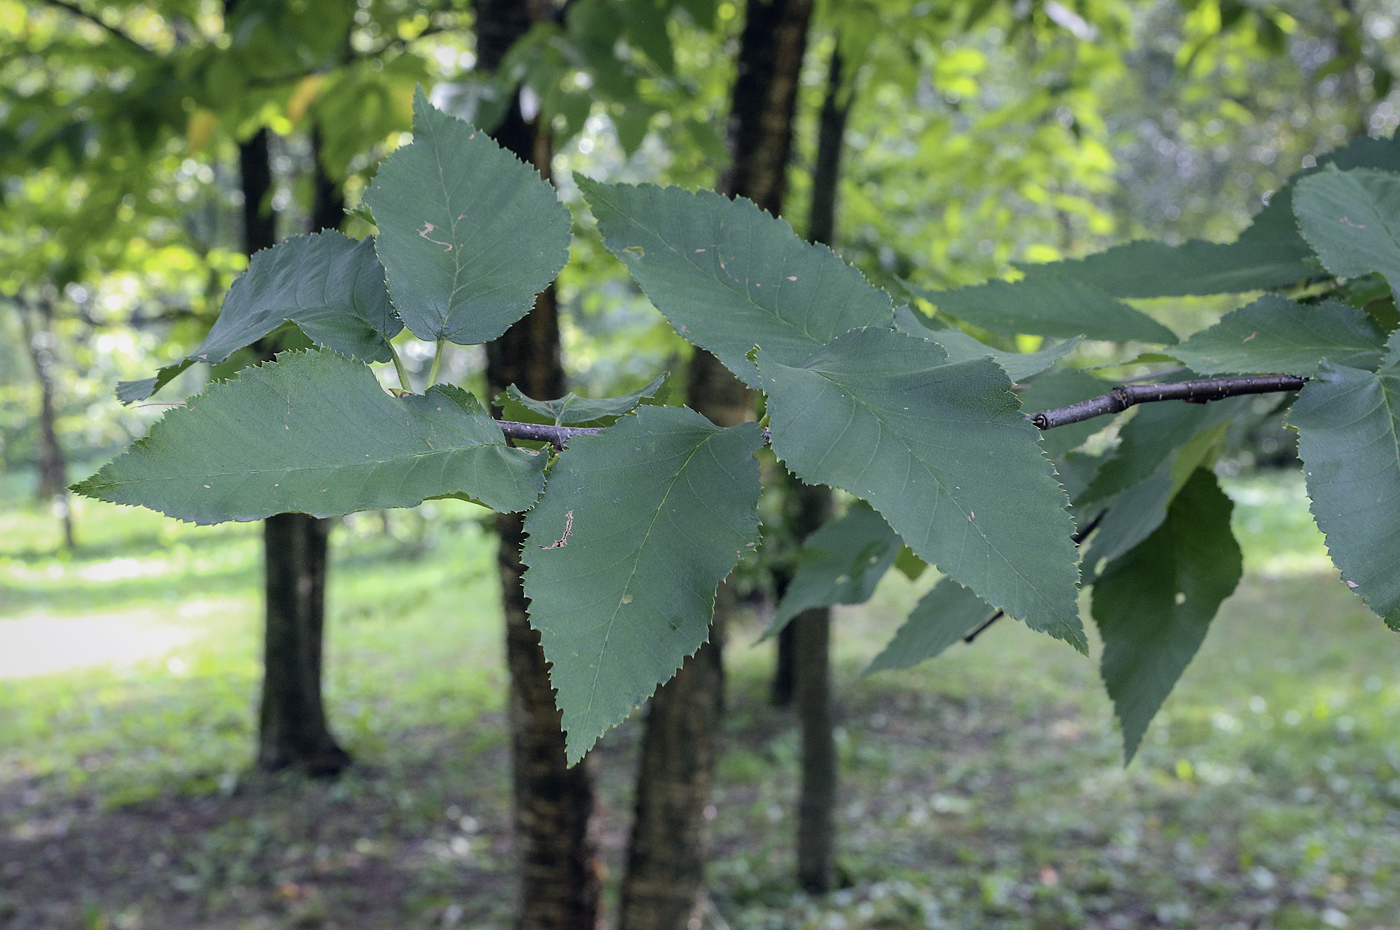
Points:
x=984, y=789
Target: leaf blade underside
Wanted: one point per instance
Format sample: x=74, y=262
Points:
x=942, y=617
x=840, y=563
x=331, y=286
x=1352, y=220
x=1274, y=334
x=313, y=432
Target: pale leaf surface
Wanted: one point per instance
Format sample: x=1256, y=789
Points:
x=942, y=617
x=1043, y=304
x=331, y=286
x=313, y=432
x=840, y=563
x=1352, y=219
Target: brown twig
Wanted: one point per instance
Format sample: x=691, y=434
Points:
x=1198, y=392
x=557, y=436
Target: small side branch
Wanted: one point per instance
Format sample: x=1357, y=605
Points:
x=1115, y=401
x=1080, y=535
x=1197, y=392
x=557, y=436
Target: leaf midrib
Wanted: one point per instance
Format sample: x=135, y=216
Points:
x=725, y=282
x=942, y=487
x=612, y=621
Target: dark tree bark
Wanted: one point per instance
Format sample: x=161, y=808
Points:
x=555, y=828
x=816, y=806
x=53, y=463
x=292, y=729
x=662, y=886
x=783, y=691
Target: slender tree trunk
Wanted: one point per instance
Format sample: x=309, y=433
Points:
x=783, y=691
x=292, y=730
x=662, y=886
x=53, y=463
x=555, y=828
x=816, y=806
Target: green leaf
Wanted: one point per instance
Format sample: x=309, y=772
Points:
x=468, y=233
x=1156, y=432
x=1135, y=513
x=962, y=347
x=1274, y=334
x=1348, y=423
x=1046, y=305
x=1154, y=606
x=313, y=432
x=1268, y=254
x=729, y=276
x=1352, y=218
x=909, y=564
x=942, y=617
x=572, y=410
x=330, y=286
x=841, y=563
x=636, y=528
x=936, y=448
x=1132, y=516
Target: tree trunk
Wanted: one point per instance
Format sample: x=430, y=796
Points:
x=292, y=730
x=53, y=463
x=555, y=828
x=816, y=806
x=662, y=886
x=292, y=721
x=783, y=690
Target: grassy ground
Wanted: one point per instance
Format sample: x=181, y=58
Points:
x=984, y=789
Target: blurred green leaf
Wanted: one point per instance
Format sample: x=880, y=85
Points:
x=840, y=563
x=1045, y=305
x=942, y=617
x=330, y=286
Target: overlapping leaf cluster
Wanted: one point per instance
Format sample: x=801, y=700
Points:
x=631, y=529
x=1161, y=556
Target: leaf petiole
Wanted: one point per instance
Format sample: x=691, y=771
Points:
x=404, y=383
x=437, y=363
